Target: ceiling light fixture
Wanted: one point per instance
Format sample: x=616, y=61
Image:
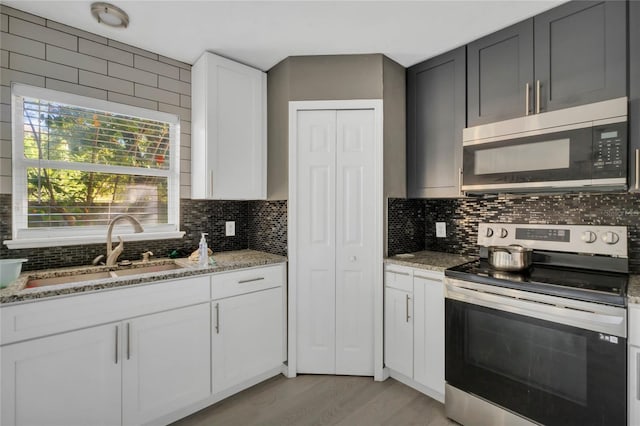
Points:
x=110, y=15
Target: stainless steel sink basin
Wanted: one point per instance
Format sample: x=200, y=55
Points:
x=40, y=282
x=147, y=269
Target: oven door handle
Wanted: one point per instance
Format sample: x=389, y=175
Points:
x=603, y=323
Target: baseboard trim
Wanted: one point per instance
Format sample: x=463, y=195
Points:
x=438, y=396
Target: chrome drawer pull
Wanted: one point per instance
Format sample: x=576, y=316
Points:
x=638, y=376
x=407, y=302
x=217, y=318
x=251, y=280
x=117, y=338
x=399, y=273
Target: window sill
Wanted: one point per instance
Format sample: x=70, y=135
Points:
x=89, y=239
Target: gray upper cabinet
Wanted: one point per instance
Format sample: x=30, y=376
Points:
x=435, y=119
x=499, y=68
x=634, y=95
x=580, y=53
x=571, y=55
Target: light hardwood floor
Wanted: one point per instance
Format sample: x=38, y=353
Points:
x=323, y=400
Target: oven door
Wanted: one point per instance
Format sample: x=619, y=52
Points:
x=551, y=373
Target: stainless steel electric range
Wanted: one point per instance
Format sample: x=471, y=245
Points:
x=546, y=345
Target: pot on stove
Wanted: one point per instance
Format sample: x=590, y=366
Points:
x=509, y=258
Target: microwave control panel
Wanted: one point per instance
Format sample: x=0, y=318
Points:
x=610, y=150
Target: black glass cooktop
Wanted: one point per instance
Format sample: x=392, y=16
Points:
x=579, y=284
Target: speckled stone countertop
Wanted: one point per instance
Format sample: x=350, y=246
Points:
x=633, y=291
x=224, y=261
x=429, y=260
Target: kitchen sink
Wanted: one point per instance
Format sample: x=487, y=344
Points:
x=41, y=282
x=89, y=274
x=147, y=269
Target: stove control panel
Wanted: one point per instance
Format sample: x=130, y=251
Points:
x=588, y=239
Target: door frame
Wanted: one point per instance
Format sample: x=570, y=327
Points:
x=292, y=218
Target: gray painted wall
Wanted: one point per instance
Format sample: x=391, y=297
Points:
x=335, y=77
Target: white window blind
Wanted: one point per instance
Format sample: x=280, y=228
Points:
x=78, y=162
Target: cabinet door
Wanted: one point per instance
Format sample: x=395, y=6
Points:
x=166, y=362
x=634, y=385
x=634, y=95
x=68, y=379
x=499, y=67
x=435, y=119
x=580, y=53
x=229, y=130
x=398, y=331
x=429, y=331
x=247, y=337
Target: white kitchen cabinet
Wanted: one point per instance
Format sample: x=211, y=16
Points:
x=166, y=362
x=247, y=336
x=428, y=330
x=634, y=364
x=398, y=324
x=68, y=379
x=228, y=130
x=414, y=328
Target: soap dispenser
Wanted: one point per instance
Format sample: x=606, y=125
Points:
x=203, y=251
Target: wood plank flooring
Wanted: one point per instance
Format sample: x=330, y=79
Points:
x=323, y=400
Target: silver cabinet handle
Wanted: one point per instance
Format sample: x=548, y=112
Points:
x=527, y=110
x=217, y=318
x=250, y=280
x=128, y=340
x=637, y=169
x=117, y=339
x=211, y=183
x=407, y=307
x=398, y=272
x=538, y=96
x=638, y=376
x=460, y=180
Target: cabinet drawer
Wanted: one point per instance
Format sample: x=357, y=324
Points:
x=246, y=281
x=634, y=324
x=45, y=317
x=398, y=277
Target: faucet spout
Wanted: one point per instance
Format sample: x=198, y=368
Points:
x=112, y=254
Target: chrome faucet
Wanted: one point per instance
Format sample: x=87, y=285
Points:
x=112, y=254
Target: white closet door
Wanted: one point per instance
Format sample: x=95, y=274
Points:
x=316, y=173
x=355, y=242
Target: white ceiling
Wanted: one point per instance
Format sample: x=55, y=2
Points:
x=262, y=33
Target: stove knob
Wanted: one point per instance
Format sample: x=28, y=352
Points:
x=503, y=233
x=489, y=233
x=610, y=237
x=589, y=237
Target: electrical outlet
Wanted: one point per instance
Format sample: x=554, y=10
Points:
x=441, y=229
x=230, y=229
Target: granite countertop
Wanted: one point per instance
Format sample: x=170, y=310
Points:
x=224, y=261
x=633, y=292
x=429, y=260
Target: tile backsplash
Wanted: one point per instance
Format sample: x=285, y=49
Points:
x=267, y=229
x=463, y=215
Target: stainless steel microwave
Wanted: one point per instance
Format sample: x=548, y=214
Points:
x=581, y=148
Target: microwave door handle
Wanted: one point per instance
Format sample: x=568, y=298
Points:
x=538, y=96
x=637, y=186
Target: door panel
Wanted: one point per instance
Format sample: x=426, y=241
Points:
x=67, y=379
x=355, y=241
x=335, y=239
x=580, y=53
x=167, y=362
x=316, y=241
x=248, y=340
x=498, y=68
x=398, y=331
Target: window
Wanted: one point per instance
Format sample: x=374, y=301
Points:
x=78, y=162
